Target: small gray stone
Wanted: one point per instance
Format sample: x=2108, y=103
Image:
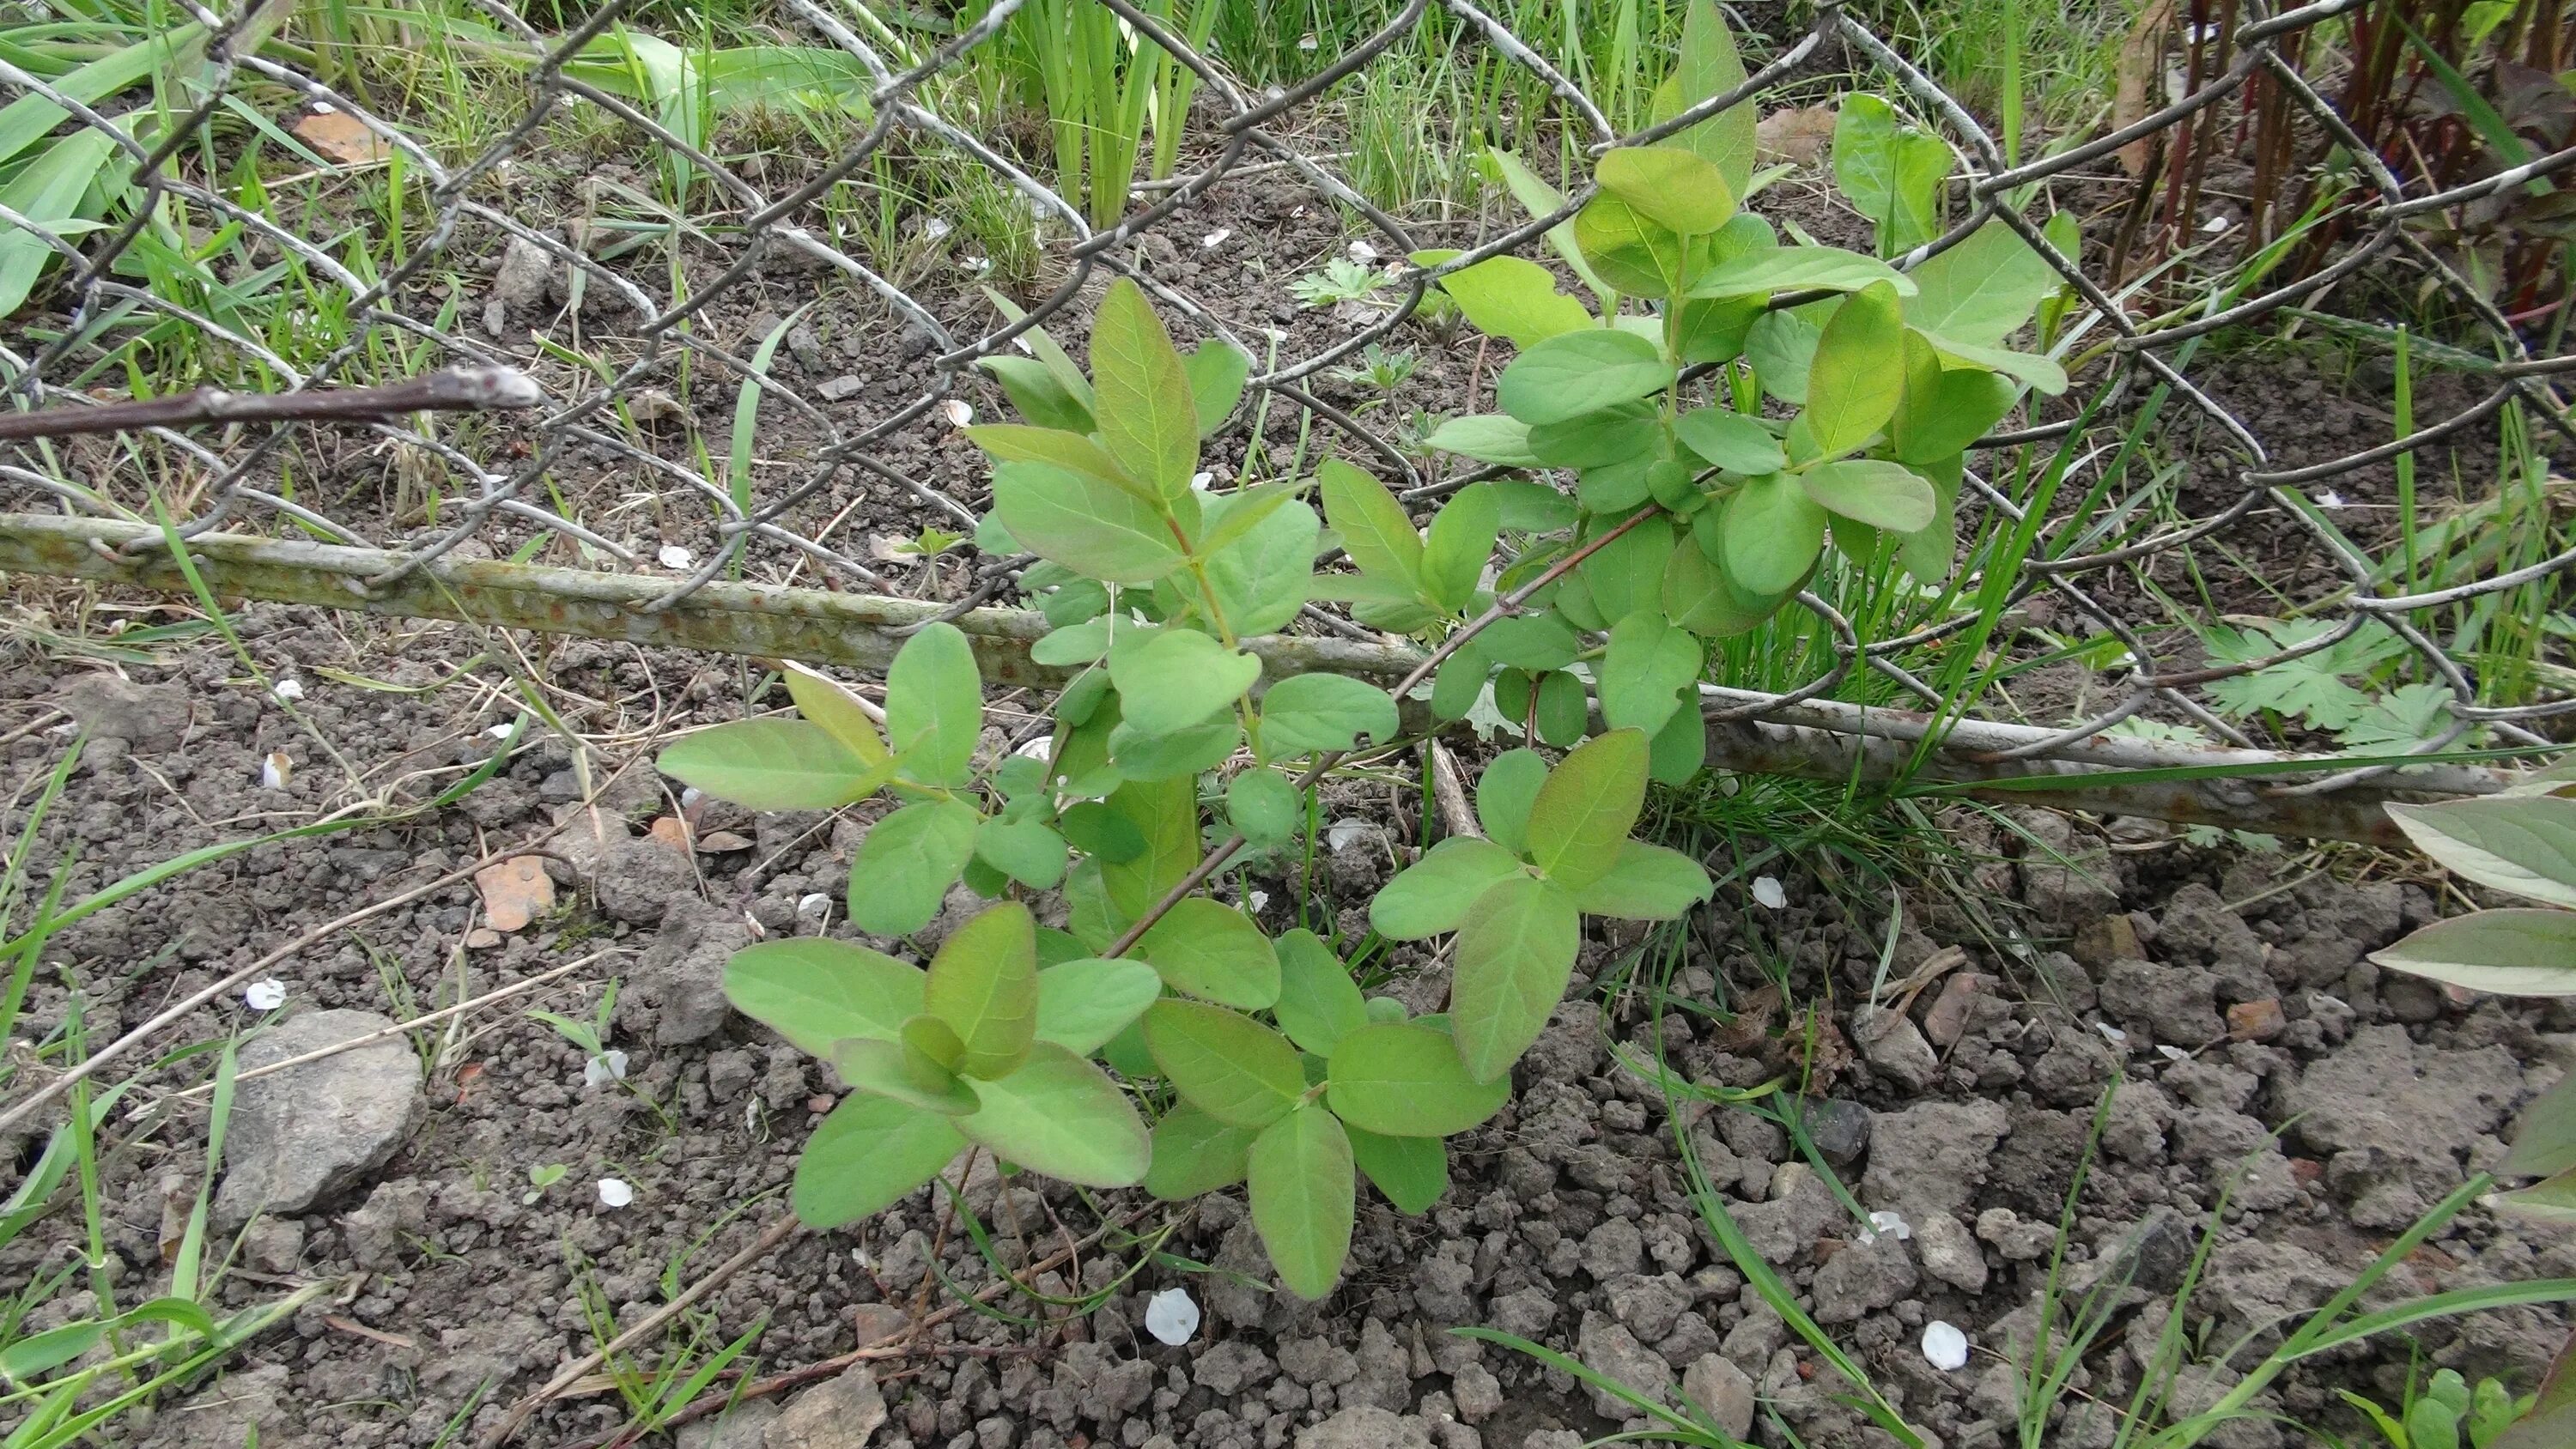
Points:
x=1230, y=1367
x=1614, y=1250
x=1476, y=1391
x=1614, y=1353
x=838, y=389
x=1528, y=1313
x=2176, y=1004
x=1647, y=1307
x=1312, y=1361
x=106, y=706
x=1104, y=1387
x=1366, y=1427
x=379, y=1233
x=843, y=1413
x=522, y=278
x=2198, y=927
x=1840, y=1129
x=237, y=1409
x=1723, y=1392
x=679, y=979
x=1950, y=1253
x=1932, y=1156
x=1863, y=1278
x=739, y=1427
x=2066, y=879
x=309, y=1132
x=1784, y=1230
x=1890, y=1041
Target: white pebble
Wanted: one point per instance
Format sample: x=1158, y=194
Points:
x=1362, y=253
x=1041, y=749
x=956, y=412
x=288, y=690
x=1172, y=1316
x=1890, y=1223
x=1945, y=1346
x=2173, y=1053
x=614, y=1192
x=1257, y=901
x=2110, y=1033
x=274, y=770
x=1215, y=239
x=499, y=732
x=266, y=995
x=1342, y=833
x=691, y=796
x=1768, y=890
x=675, y=557
x=813, y=906
x=608, y=1066
x=2330, y=499
x=934, y=229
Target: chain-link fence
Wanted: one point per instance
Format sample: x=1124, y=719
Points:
x=845, y=369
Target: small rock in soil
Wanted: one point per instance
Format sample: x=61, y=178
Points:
x=2256, y=1020
x=2173, y=1003
x=312, y=1131
x=2199, y=928
x=741, y=1427
x=1950, y=1253
x=2065, y=877
x=2394, y=1113
x=1613, y=1352
x=1723, y=1391
x=1366, y=1427
x=1840, y=1129
x=394, y=1214
x=1477, y=1393
x=1930, y=1157
x=1892, y=1043
x=106, y=707
x=2106, y=938
x=237, y=1409
x=840, y=1414
x=1784, y=1230
x=1863, y=1278
x=679, y=980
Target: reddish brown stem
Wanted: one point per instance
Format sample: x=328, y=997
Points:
x=457, y=389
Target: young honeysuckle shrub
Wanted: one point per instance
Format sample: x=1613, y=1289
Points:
x=1688, y=444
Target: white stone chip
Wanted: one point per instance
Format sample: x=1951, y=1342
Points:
x=1944, y=1346
x=288, y=690
x=1172, y=1316
x=614, y=1192
x=266, y=995
x=1768, y=890
x=608, y=1066
x=675, y=557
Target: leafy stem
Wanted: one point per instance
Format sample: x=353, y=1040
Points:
x=1501, y=608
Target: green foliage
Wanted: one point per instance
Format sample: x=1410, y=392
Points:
x=2521, y=842
x=2446, y=1413
x=1692, y=514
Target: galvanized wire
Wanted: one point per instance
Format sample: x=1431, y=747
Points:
x=502, y=473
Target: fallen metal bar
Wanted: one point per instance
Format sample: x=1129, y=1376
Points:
x=1813, y=739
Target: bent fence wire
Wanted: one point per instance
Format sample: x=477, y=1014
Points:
x=738, y=552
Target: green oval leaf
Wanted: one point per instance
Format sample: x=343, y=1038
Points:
x=1304, y=1199
x=1147, y=413
x=1412, y=1172
x=1264, y=807
x=772, y=764
x=1024, y=850
x=1091, y=527
x=1487, y=438
x=1170, y=680
x=1670, y=186
x=1058, y=1115
x=1324, y=712
x=1083, y=1004
x=1644, y=670
x=1375, y=530
x=827, y=703
x=907, y=863
x=1797, y=269
x=2525, y=844
x=984, y=985
x=2518, y=952
x=1583, y=813
x=1728, y=439
x=1515, y=955
x=1858, y=372
x=1580, y=372
x=815, y=992
x=1867, y=490
x=1318, y=1003
x=1509, y=297
x=1224, y=1063
x=1458, y=545
x=1432, y=895
x=1771, y=532
x=1504, y=794
x=1649, y=883
x=903, y=1071
x=1195, y=1154
x=1208, y=949
x=1408, y=1081
x=868, y=1155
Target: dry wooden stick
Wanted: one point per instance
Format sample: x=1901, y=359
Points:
x=455, y=389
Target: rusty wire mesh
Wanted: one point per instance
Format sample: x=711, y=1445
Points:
x=794, y=529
